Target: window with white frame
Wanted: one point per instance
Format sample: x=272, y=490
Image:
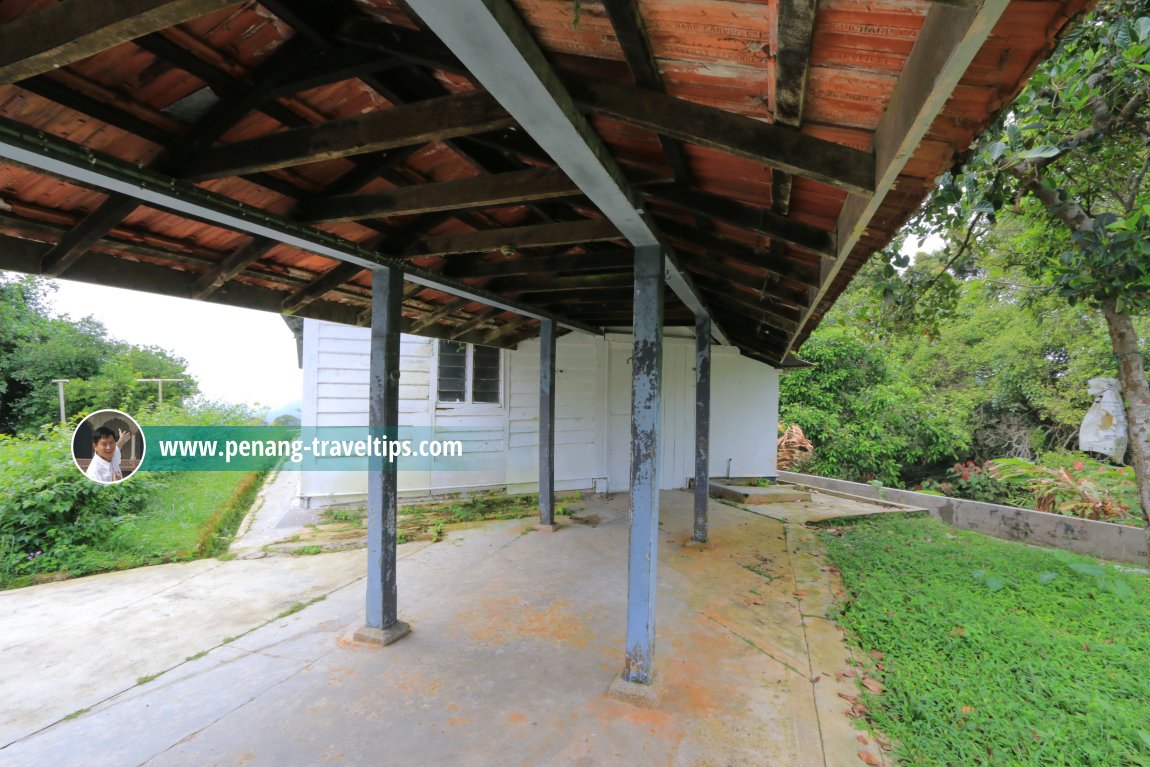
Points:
x=469, y=374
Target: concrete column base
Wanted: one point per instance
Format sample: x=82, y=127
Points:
x=381, y=637
x=644, y=695
x=693, y=544
x=542, y=528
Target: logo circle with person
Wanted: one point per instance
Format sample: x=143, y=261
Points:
x=108, y=446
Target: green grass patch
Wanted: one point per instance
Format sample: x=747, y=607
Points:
x=429, y=521
x=299, y=606
x=995, y=653
x=191, y=516
x=180, y=517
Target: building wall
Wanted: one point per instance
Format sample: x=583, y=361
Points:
x=592, y=410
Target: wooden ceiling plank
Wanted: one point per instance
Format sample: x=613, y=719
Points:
x=568, y=263
x=736, y=251
x=533, y=236
x=778, y=146
x=757, y=220
x=66, y=32
x=478, y=192
x=406, y=125
x=234, y=264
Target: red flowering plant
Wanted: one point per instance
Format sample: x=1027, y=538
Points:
x=971, y=481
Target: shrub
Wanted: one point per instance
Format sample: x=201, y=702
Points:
x=49, y=512
x=1085, y=488
x=972, y=481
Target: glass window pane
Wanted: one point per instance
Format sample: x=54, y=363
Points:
x=485, y=375
x=452, y=372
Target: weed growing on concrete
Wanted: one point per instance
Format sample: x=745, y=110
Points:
x=299, y=606
x=149, y=677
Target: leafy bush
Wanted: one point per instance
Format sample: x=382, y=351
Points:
x=866, y=418
x=972, y=481
x=49, y=512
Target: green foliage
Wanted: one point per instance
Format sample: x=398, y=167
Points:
x=865, y=417
x=53, y=519
x=36, y=347
x=49, y=512
x=995, y=653
x=1081, y=487
x=972, y=481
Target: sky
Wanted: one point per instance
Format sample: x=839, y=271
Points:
x=237, y=355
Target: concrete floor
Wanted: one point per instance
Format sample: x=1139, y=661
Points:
x=516, y=637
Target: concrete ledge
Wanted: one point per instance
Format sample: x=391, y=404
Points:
x=751, y=495
x=1105, y=540
x=381, y=637
x=644, y=695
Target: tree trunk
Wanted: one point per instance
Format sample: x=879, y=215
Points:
x=1136, y=394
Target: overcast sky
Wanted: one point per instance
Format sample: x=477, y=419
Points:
x=237, y=355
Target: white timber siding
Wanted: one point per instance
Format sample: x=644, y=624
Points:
x=592, y=414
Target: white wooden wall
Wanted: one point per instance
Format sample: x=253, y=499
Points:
x=592, y=410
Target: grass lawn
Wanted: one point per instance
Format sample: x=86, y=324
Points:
x=189, y=515
x=995, y=653
x=193, y=515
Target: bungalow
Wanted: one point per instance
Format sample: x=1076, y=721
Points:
x=489, y=398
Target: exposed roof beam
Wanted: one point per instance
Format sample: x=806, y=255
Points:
x=533, y=236
x=413, y=45
x=240, y=259
x=66, y=32
x=321, y=286
x=568, y=263
x=490, y=38
x=737, y=251
x=745, y=216
x=796, y=27
x=477, y=192
x=63, y=158
x=950, y=38
x=563, y=284
x=217, y=120
x=631, y=32
x=792, y=61
x=775, y=145
x=439, y=313
x=419, y=123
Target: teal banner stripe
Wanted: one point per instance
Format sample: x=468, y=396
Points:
x=309, y=448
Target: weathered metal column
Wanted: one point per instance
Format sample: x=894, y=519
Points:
x=646, y=401
x=702, y=425
x=383, y=625
x=547, y=424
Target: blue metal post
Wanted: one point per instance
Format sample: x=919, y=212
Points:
x=702, y=425
x=547, y=422
x=383, y=478
x=646, y=401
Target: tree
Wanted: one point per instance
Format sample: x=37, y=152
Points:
x=866, y=418
x=36, y=347
x=1071, y=157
